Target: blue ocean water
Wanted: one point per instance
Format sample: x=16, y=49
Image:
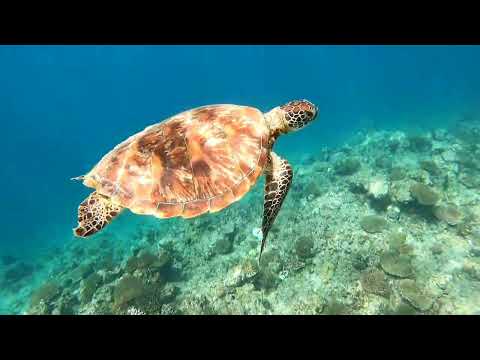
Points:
x=63, y=107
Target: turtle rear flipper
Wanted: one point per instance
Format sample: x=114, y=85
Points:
x=94, y=213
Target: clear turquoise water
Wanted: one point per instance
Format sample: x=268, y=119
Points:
x=63, y=107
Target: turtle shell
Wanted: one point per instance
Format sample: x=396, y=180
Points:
x=194, y=162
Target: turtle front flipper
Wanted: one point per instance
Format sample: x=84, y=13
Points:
x=94, y=213
x=279, y=176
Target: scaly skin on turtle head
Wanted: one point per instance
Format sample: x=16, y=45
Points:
x=298, y=113
x=292, y=116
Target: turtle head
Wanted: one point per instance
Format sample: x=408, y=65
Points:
x=292, y=116
x=298, y=113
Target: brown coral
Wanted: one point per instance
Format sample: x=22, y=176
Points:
x=448, y=213
x=411, y=292
x=397, y=265
x=47, y=292
x=424, y=194
x=127, y=289
x=373, y=224
x=375, y=282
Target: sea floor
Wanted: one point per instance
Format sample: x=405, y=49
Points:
x=387, y=224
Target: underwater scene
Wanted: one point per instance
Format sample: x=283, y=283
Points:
x=240, y=180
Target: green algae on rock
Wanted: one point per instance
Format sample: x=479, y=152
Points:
x=360, y=261
x=266, y=279
x=89, y=286
x=437, y=249
x=107, y=262
x=464, y=229
x=374, y=281
x=42, y=308
x=373, y=224
x=131, y=265
x=169, y=309
x=397, y=173
x=397, y=265
x=347, y=166
x=430, y=166
x=468, y=160
x=398, y=243
x=81, y=272
x=127, y=289
x=146, y=260
x=165, y=259
x=475, y=236
x=404, y=308
x=411, y=292
x=397, y=239
x=335, y=307
x=47, y=292
x=153, y=300
x=383, y=162
x=272, y=259
x=419, y=143
x=472, y=268
x=470, y=180
x=314, y=188
x=424, y=194
x=224, y=245
x=65, y=304
x=241, y=273
x=448, y=213
x=304, y=247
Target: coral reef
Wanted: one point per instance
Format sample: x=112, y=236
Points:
x=89, y=286
x=387, y=224
x=448, y=213
x=396, y=264
x=127, y=289
x=347, y=166
x=373, y=224
x=304, y=247
x=397, y=173
x=224, y=245
x=43, y=296
x=412, y=293
x=375, y=282
x=419, y=143
x=424, y=194
x=378, y=187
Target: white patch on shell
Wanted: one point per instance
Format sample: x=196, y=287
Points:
x=212, y=142
x=144, y=180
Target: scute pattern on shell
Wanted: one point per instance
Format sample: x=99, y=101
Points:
x=197, y=161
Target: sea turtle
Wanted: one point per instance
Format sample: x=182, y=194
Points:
x=198, y=161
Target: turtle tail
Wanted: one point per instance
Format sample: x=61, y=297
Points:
x=78, y=178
